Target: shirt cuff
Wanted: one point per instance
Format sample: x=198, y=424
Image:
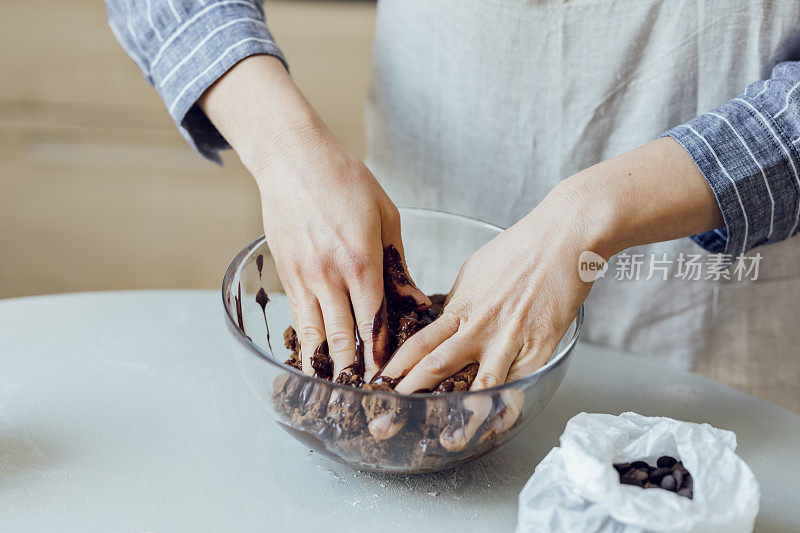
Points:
x=748, y=162
x=199, y=53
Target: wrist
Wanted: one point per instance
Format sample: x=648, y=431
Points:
x=652, y=193
x=593, y=211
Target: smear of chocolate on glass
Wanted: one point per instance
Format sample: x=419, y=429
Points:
x=262, y=299
x=380, y=336
x=238, y=301
x=259, y=264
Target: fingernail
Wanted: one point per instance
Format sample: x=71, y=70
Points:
x=452, y=441
x=379, y=426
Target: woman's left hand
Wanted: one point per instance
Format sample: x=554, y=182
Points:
x=514, y=298
x=510, y=305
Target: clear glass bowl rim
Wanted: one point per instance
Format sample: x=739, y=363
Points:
x=522, y=382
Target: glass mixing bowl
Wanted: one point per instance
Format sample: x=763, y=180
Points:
x=333, y=419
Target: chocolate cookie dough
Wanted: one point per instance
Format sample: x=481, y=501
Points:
x=335, y=421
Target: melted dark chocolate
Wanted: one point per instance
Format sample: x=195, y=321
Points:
x=321, y=362
x=386, y=380
x=353, y=374
x=393, y=268
x=238, y=300
x=259, y=264
x=380, y=336
x=262, y=299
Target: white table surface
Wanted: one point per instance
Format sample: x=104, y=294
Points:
x=125, y=412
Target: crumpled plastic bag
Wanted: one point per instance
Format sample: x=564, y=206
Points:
x=575, y=488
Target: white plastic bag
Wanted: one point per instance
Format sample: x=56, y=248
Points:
x=575, y=488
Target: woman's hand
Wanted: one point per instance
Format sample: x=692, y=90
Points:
x=326, y=218
x=514, y=298
x=510, y=305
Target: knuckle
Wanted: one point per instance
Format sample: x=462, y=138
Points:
x=318, y=266
x=341, y=341
x=310, y=333
x=450, y=318
x=544, y=324
x=434, y=363
x=365, y=329
x=533, y=345
x=487, y=380
x=294, y=269
x=353, y=262
x=392, y=216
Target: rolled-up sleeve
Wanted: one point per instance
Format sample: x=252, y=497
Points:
x=747, y=150
x=184, y=46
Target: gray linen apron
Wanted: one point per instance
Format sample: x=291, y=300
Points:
x=480, y=107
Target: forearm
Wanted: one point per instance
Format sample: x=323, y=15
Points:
x=184, y=46
x=650, y=194
x=260, y=111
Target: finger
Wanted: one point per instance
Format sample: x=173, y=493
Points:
x=340, y=333
x=532, y=356
x=371, y=318
x=506, y=414
x=419, y=345
x=393, y=416
x=464, y=421
x=400, y=287
x=494, y=365
x=445, y=360
x=310, y=331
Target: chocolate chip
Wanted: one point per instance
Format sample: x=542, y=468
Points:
x=673, y=477
x=657, y=474
x=665, y=461
x=635, y=476
x=625, y=480
x=621, y=468
x=668, y=483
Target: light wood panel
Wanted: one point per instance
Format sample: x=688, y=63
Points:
x=97, y=188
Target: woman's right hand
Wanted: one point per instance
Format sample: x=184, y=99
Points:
x=326, y=217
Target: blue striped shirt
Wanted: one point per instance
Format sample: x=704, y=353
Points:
x=184, y=46
x=747, y=149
